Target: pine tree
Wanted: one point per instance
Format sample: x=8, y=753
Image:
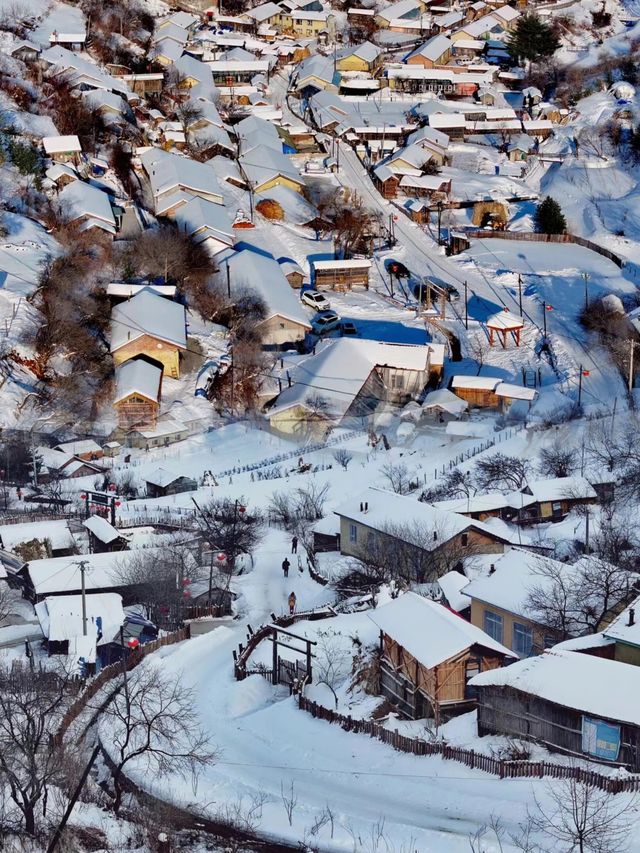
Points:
x=532, y=39
x=550, y=218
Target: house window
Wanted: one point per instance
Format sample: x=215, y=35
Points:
x=549, y=641
x=464, y=539
x=397, y=381
x=493, y=625
x=353, y=533
x=522, y=639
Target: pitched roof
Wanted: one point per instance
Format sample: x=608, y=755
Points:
x=432, y=49
x=101, y=529
x=593, y=685
x=61, y=619
x=429, y=632
x=138, y=376
x=262, y=163
x=61, y=144
x=201, y=218
x=169, y=171
x=146, y=313
x=79, y=199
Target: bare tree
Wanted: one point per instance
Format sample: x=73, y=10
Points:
x=293, y=510
x=577, y=599
x=454, y=484
x=499, y=471
x=188, y=113
x=230, y=527
x=398, y=477
x=557, y=460
x=577, y=817
x=289, y=800
x=332, y=661
x=154, y=719
x=351, y=221
x=32, y=703
x=342, y=457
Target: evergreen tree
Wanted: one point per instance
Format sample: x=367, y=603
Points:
x=550, y=218
x=532, y=39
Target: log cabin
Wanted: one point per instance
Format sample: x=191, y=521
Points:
x=428, y=656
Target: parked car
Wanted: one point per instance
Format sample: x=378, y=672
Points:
x=325, y=321
x=348, y=328
x=315, y=300
x=421, y=290
x=396, y=268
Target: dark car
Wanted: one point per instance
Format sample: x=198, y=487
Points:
x=397, y=269
x=348, y=328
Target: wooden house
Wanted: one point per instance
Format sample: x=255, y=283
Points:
x=25, y=51
x=553, y=499
x=49, y=538
x=138, y=390
x=386, y=181
x=487, y=392
x=162, y=482
x=151, y=326
x=569, y=702
x=421, y=541
x=428, y=656
x=341, y=275
x=293, y=272
x=103, y=536
x=436, y=51
x=62, y=149
x=86, y=449
x=166, y=431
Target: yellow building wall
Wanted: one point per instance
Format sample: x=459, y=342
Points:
x=296, y=422
x=352, y=63
x=477, y=618
x=167, y=354
x=278, y=181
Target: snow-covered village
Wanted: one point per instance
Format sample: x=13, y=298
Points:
x=319, y=426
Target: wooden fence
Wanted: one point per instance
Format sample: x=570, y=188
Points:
x=112, y=671
x=534, y=237
x=501, y=767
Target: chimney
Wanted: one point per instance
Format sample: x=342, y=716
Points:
x=632, y=617
x=366, y=506
x=361, y=507
x=435, y=535
x=492, y=568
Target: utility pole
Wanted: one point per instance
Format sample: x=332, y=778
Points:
x=585, y=276
x=632, y=343
x=544, y=317
x=439, y=221
x=520, y=292
x=74, y=799
x=580, y=386
x=466, y=305
x=83, y=567
x=228, y=281
x=337, y=155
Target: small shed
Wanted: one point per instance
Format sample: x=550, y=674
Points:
x=162, y=482
x=326, y=534
x=62, y=149
x=443, y=405
x=103, y=536
x=293, y=272
x=86, y=449
x=554, y=498
x=570, y=702
x=487, y=392
x=341, y=275
x=502, y=324
x=429, y=654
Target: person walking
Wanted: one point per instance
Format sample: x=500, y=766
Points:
x=285, y=567
x=294, y=545
x=292, y=603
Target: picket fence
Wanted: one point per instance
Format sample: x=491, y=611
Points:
x=501, y=767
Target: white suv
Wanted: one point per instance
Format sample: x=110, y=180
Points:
x=315, y=300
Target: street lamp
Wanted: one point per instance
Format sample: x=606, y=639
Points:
x=585, y=276
x=439, y=206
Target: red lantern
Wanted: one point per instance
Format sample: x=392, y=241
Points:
x=83, y=497
x=242, y=509
x=186, y=581
x=221, y=557
x=133, y=642
x=117, y=503
x=186, y=594
x=586, y=372
x=549, y=307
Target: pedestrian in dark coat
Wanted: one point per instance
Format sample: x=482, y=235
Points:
x=294, y=545
x=285, y=567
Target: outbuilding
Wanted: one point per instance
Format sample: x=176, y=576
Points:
x=341, y=275
x=162, y=482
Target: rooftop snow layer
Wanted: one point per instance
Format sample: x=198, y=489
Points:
x=146, y=313
x=429, y=632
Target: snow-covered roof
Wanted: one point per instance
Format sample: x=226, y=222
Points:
x=452, y=585
x=60, y=616
x=263, y=12
x=340, y=368
x=263, y=162
x=504, y=320
x=297, y=210
x=61, y=144
x=138, y=376
x=476, y=503
x=414, y=521
x=180, y=19
x=62, y=574
x=168, y=49
x=429, y=632
x=80, y=200
x=200, y=219
x=515, y=575
x=262, y=274
x=366, y=51
x=444, y=399
x=428, y=135
x=146, y=313
x=169, y=171
x=434, y=183
x=127, y=290
x=432, y=49
x=481, y=383
x=101, y=529
x=57, y=532
x=559, y=488
x=161, y=477
x=515, y=392
x=593, y=685
x=76, y=448
x=81, y=70
x=621, y=631
x=399, y=9
x=349, y=264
